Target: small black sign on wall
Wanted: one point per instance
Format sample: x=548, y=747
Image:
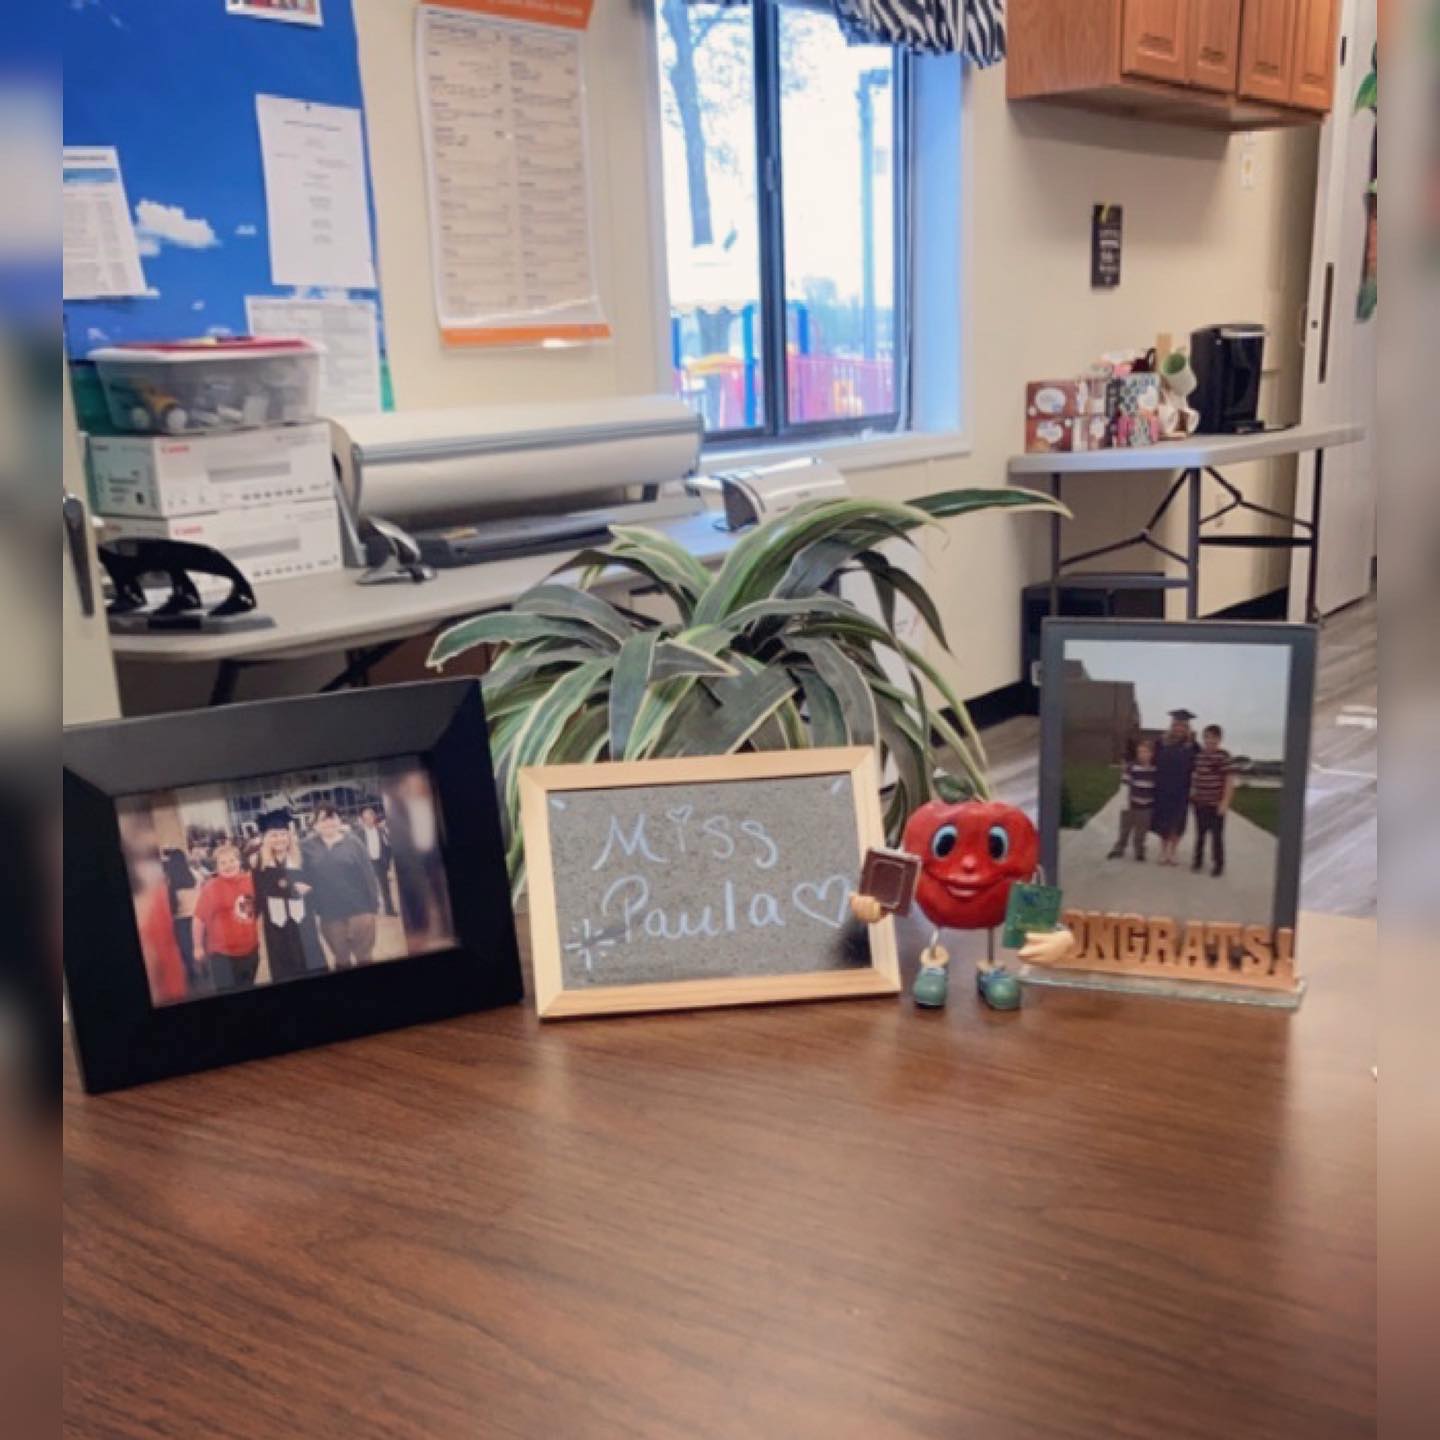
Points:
x=1106, y=224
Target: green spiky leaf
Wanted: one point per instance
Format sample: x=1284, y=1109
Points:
x=849, y=684
x=627, y=687
x=564, y=602
x=503, y=627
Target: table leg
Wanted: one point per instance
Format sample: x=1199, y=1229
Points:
x=226, y=679
x=1055, y=483
x=357, y=666
x=1192, y=551
x=1312, y=610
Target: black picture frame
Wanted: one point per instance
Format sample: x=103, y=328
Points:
x=1299, y=641
x=121, y=1038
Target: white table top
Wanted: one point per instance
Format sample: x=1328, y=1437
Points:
x=324, y=614
x=1196, y=451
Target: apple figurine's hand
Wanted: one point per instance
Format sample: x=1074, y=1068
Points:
x=866, y=909
x=1048, y=947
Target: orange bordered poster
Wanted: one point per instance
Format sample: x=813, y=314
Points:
x=502, y=107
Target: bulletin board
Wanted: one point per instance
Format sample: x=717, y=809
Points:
x=172, y=85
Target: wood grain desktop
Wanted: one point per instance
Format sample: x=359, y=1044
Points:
x=1099, y=1217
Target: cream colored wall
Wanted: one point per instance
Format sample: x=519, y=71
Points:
x=1198, y=248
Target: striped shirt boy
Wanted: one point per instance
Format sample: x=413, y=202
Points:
x=1209, y=777
x=1140, y=784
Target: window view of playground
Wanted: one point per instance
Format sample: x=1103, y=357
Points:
x=774, y=90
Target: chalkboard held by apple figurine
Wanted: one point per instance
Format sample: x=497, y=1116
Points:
x=960, y=863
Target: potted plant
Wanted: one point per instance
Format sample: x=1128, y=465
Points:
x=761, y=654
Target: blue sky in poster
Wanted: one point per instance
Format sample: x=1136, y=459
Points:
x=172, y=85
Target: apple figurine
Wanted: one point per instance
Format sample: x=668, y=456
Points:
x=969, y=854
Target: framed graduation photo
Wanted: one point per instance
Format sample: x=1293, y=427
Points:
x=258, y=878
x=1173, y=767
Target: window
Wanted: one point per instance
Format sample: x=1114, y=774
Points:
x=784, y=158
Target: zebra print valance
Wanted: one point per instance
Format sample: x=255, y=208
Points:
x=972, y=28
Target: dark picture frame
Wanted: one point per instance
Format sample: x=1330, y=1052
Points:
x=1297, y=641
x=121, y=1037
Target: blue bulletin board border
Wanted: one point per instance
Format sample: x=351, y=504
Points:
x=172, y=85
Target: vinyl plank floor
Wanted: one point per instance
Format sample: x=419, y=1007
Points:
x=1338, y=873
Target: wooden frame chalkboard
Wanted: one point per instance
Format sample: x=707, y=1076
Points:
x=738, y=957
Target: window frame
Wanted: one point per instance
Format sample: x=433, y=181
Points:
x=778, y=428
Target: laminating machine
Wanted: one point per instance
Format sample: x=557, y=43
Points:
x=443, y=488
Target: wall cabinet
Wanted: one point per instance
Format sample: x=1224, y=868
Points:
x=1153, y=39
x=1212, y=51
x=1221, y=64
x=1267, y=49
x=1317, y=26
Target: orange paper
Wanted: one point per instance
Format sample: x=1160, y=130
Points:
x=571, y=14
x=525, y=334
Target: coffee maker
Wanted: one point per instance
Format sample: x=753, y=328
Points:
x=1226, y=360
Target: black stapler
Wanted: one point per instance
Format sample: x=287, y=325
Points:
x=129, y=560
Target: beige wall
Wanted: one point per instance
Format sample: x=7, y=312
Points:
x=1199, y=247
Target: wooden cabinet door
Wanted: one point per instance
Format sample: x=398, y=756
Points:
x=1315, y=40
x=1154, y=38
x=1267, y=50
x=1212, y=58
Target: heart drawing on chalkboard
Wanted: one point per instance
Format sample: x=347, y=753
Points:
x=814, y=900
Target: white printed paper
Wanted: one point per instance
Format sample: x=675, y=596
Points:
x=316, y=196
x=503, y=113
x=100, y=256
x=348, y=330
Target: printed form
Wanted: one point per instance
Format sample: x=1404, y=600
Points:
x=100, y=254
x=503, y=111
x=317, y=199
x=348, y=333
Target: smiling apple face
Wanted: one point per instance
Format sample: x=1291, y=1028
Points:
x=970, y=854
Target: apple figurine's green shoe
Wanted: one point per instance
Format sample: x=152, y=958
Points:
x=932, y=986
x=998, y=988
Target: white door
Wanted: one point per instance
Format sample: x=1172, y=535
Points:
x=1340, y=337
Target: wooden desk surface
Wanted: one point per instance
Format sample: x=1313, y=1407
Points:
x=1101, y=1217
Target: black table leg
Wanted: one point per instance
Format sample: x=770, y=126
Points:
x=1192, y=551
x=1055, y=549
x=226, y=679
x=357, y=666
x=1312, y=609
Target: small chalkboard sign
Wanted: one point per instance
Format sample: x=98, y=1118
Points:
x=708, y=880
x=1107, y=224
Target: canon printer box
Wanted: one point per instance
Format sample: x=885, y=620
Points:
x=283, y=542
x=173, y=475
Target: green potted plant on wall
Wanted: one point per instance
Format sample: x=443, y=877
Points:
x=761, y=654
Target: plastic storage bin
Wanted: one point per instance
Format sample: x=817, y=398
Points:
x=191, y=386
